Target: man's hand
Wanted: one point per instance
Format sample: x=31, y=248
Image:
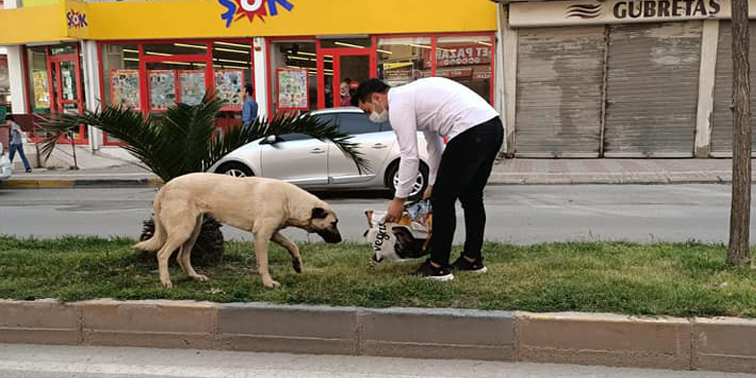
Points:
x=396, y=209
x=428, y=192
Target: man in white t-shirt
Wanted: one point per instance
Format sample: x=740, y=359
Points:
x=441, y=108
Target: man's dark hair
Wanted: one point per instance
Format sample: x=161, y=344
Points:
x=9, y=117
x=250, y=90
x=367, y=88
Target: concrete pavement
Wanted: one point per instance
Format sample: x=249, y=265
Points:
x=113, y=167
x=35, y=361
x=520, y=214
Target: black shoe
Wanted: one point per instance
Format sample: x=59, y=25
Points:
x=431, y=272
x=462, y=264
x=28, y=170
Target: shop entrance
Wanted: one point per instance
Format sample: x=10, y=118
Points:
x=66, y=95
x=353, y=65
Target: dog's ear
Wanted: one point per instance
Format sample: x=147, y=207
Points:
x=319, y=213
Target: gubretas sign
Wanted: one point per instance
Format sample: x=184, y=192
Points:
x=562, y=13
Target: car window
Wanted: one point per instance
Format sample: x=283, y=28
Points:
x=330, y=117
x=386, y=126
x=297, y=136
x=356, y=123
x=293, y=137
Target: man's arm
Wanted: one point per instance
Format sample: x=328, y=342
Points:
x=435, y=147
x=404, y=122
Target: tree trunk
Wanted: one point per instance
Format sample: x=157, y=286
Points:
x=739, y=252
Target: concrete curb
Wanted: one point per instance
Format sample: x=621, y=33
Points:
x=718, y=344
x=80, y=183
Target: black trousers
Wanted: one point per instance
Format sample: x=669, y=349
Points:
x=464, y=170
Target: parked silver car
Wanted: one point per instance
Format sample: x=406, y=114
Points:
x=317, y=165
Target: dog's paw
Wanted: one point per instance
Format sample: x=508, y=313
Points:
x=297, y=265
x=201, y=278
x=271, y=284
x=167, y=284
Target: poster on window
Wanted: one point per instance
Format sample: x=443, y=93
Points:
x=162, y=89
x=124, y=88
x=192, y=86
x=464, y=55
x=41, y=91
x=229, y=87
x=292, y=87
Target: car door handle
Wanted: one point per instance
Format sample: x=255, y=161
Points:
x=378, y=146
x=317, y=150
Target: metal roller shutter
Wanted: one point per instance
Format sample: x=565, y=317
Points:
x=559, y=76
x=652, y=89
x=721, y=125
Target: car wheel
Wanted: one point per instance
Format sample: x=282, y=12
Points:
x=235, y=169
x=418, y=188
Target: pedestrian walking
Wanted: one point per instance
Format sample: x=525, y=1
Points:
x=16, y=142
x=441, y=108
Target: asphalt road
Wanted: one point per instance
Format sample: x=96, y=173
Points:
x=27, y=361
x=518, y=214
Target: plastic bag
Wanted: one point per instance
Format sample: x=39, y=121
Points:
x=402, y=241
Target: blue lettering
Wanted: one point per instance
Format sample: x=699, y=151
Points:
x=229, y=15
x=274, y=10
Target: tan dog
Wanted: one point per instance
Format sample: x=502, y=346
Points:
x=259, y=205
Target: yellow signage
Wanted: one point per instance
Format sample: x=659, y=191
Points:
x=164, y=19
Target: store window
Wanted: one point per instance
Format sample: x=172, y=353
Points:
x=5, y=97
x=293, y=76
x=39, y=87
x=55, y=83
x=120, y=74
x=152, y=77
x=467, y=60
x=402, y=60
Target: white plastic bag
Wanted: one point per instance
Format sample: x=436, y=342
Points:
x=403, y=241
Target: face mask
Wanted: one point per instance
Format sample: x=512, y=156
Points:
x=379, y=117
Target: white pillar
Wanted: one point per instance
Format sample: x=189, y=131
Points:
x=509, y=47
x=498, y=74
x=92, y=96
x=16, y=76
x=261, y=73
x=706, y=79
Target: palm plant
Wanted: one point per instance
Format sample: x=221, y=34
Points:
x=184, y=140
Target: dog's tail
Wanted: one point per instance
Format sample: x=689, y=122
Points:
x=157, y=240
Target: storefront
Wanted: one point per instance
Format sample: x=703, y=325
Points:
x=619, y=78
x=295, y=53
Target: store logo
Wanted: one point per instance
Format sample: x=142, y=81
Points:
x=585, y=11
x=642, y=9
x=76, y=20
x=238, y=9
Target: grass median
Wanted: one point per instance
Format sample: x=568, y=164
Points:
x=677, y=279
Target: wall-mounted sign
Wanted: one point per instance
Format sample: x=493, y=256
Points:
x=561, y=13
x=464, y=55
x=229, y=87
x=292, y=86
x=162, y=89
x=192, y=84
x=251, y=9
x=124, y=88
x=76, y=20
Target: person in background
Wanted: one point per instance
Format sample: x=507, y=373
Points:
x=441, y=108
x=16, y=142
x=250, y=108
x=346, y=97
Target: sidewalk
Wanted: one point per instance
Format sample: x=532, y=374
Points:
x=110, y=169
x=611, y=171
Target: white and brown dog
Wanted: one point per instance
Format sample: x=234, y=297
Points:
x=259, y=205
